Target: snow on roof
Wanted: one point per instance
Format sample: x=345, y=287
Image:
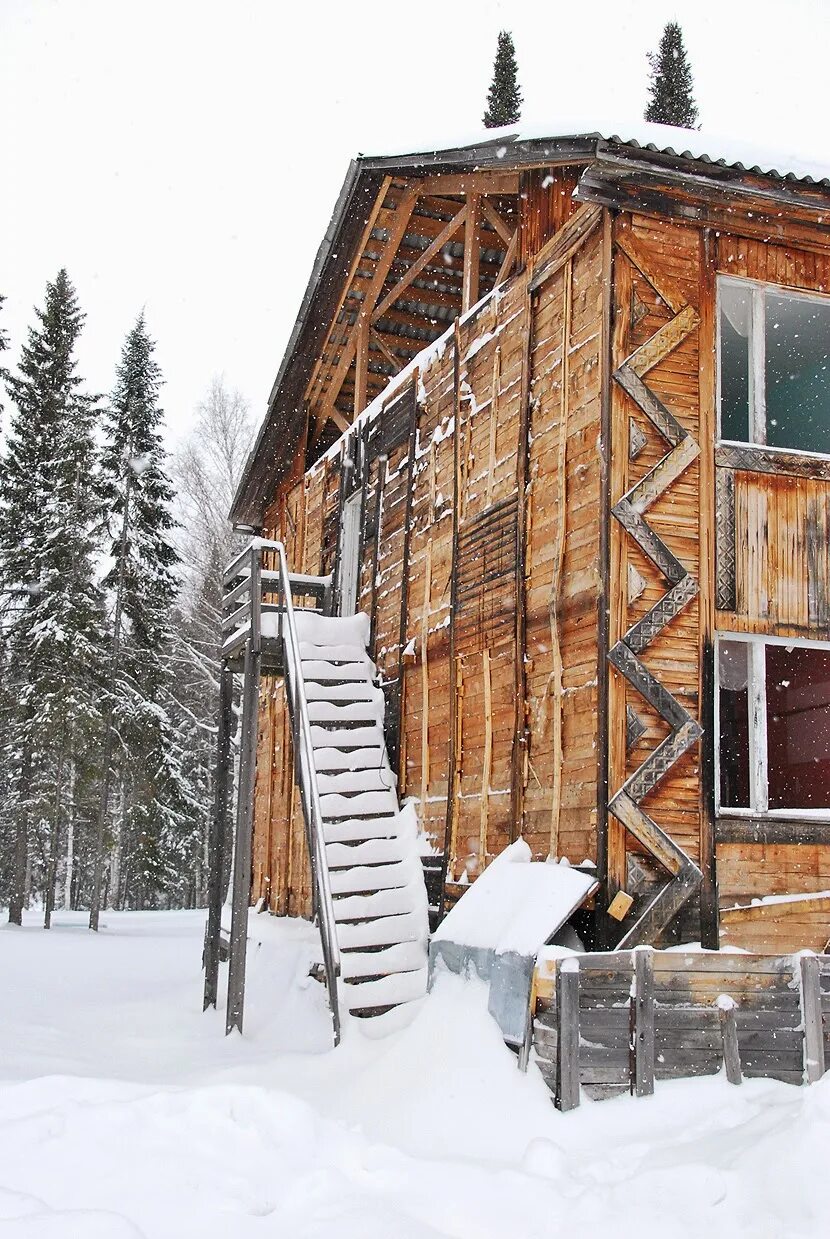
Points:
x=708, y=146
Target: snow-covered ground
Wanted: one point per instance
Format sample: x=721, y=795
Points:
x=126, y=1113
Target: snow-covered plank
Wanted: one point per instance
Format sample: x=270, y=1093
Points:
x=337, y=805
x=362, y=878
x=368, y=779
x=335, y=759
x=347, y=737
x=380, y=903
x=517, y=904
x=385, y=991
x=354, y=690
x=371, y=852
x=403, y=927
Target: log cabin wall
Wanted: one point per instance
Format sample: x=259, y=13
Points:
x=478, y=706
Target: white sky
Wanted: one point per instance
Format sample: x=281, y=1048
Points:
x=185, y=155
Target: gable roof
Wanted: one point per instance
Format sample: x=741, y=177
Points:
x=575, y=140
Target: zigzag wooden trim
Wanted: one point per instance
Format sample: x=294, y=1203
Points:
x=629, y=512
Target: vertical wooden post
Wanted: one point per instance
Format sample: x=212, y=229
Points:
x=519, y=753
x=453, y=685
x=729, y=1031
x=472, y=254
x=604, y=923
x=709, y=927
x=217, y=840
x=361, y=361
x=567, y=1034
x=245, y=806
x=812, y=1018
x=642, y=1002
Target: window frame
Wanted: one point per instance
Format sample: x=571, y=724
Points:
x=757, y=360
x=757, y=713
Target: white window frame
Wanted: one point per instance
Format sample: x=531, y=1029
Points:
x=757, y=360
x=757, y=712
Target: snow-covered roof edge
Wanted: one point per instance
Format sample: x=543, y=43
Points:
x=705, y=146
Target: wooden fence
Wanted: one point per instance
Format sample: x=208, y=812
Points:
x=619, y=1021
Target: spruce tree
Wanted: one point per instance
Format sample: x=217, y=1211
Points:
x=671, y=100
x=142, y=586
x=49, y=528
x=504, y=99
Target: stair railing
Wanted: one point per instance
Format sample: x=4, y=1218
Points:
x=306, y=776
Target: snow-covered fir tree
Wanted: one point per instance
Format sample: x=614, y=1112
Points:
x=671, y=100
x=50, y=522
x=504, y=99
x=145, y=808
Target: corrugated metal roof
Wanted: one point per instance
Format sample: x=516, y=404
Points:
x=705, y=146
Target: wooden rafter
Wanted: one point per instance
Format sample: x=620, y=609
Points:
x=377, y=340
x=396, y=235
x=472, y=253
x=509, y=258
x=353, y=268
x=445, y=235
x=496, y=222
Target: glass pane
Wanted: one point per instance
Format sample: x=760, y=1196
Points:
x=735, y=318
x=797, y=341
x=733, y=682
x=798, y=727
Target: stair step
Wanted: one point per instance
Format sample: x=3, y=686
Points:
x=370, y=852
x=335, y=629
x=360, y=829
x=392, y=902
x=361, y=804
x=381, y=931
x=386, y=991
x=332, y=760
x=317, y=671
x=335, y=653
x=372, y=779
x=368, y=879
x=343, y=694
x=345, y=737
x=366, y=712
x=399, y=957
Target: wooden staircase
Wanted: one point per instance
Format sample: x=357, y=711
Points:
x=375, y=871
x=369, y=894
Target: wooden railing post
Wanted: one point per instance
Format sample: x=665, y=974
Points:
x=729, y=1031
x=567, y=1039
x=812, y=1018
x=642, y=1003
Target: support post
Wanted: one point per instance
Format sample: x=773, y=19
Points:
x=567, y=1034
x=642, y=1014
x=218, y=836
x=245, y=805
x=729, y=1031
x=812, y=1018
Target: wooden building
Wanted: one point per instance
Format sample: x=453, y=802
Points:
x=556, y=416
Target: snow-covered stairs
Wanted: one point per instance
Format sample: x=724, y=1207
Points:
x=375, y=870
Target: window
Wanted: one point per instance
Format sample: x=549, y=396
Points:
x=773, y=706
x=774, y=366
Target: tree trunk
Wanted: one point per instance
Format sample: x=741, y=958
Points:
x=54, y=838
x=70, y=835
x=115, y=663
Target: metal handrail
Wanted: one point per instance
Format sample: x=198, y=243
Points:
x=309, y=792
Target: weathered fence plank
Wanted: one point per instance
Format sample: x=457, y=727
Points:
x=567, y=1047
x=812, y=1016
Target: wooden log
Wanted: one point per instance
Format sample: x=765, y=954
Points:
x=642, y=1003
x=812, y=1017
x=567, y=1046
x=729, y=1032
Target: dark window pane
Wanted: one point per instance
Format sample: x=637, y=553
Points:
x=797, y=342
x=733, y=679
x=798, y=727
x=735, y=317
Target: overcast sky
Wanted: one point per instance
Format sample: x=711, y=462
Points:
x=184, y=156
